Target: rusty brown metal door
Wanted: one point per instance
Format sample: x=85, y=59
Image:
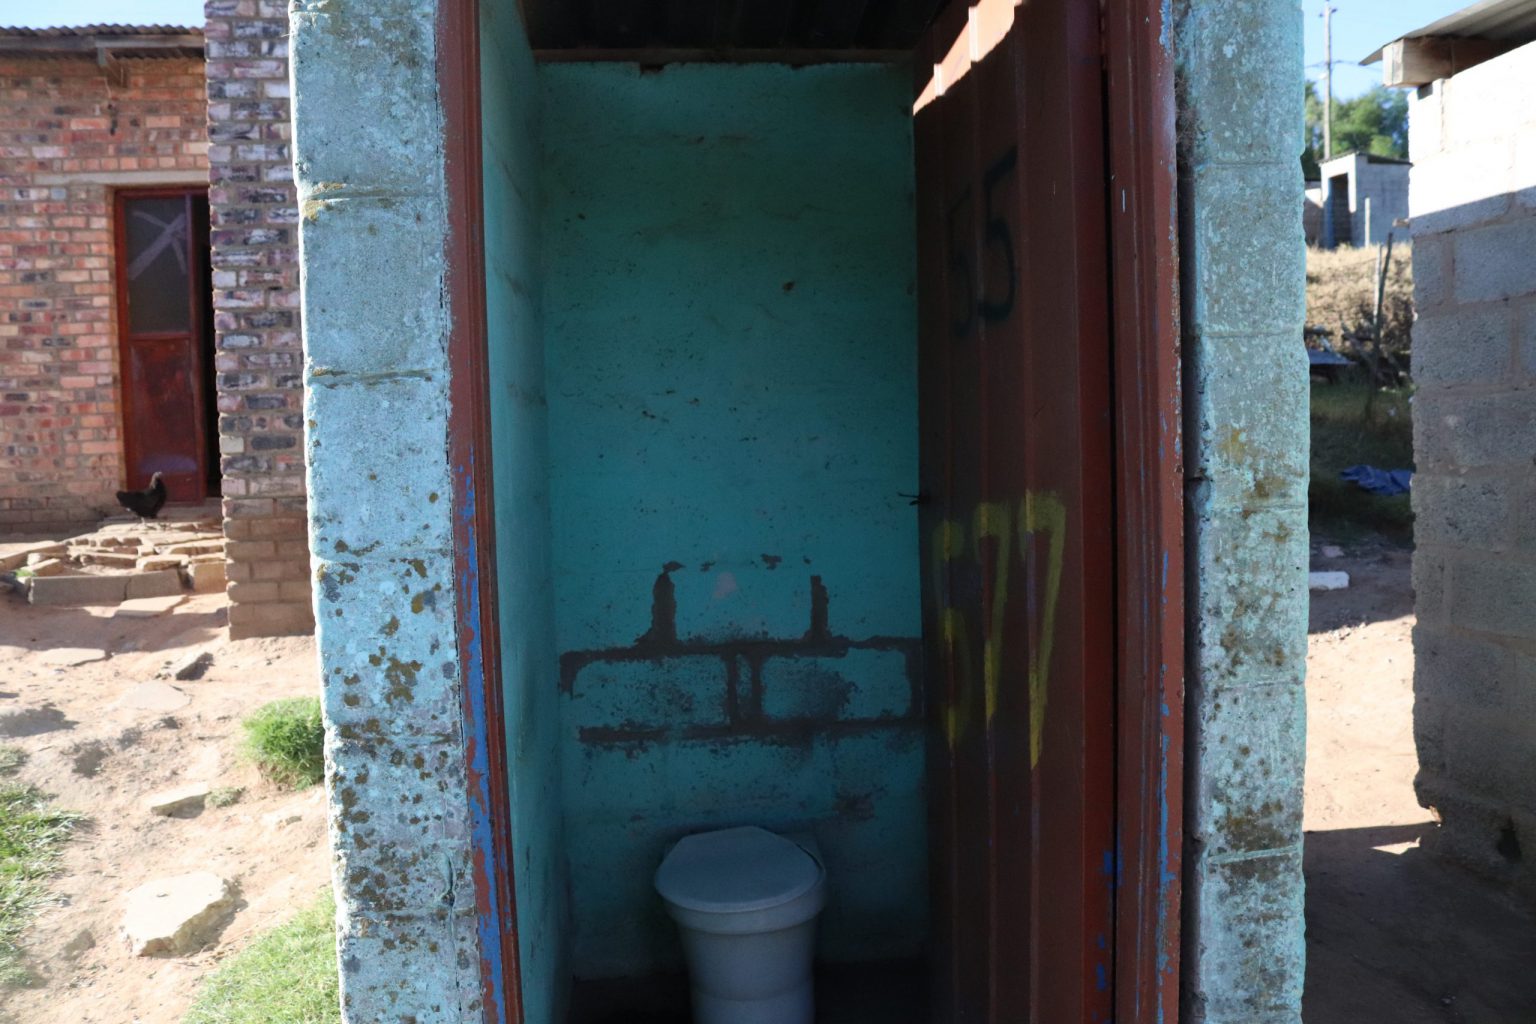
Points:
x=1018, y=518
x=163, y=298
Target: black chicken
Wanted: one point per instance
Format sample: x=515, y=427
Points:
x=145, y=504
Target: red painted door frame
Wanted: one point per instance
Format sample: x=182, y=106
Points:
x=145, y=396
x=1142, y=279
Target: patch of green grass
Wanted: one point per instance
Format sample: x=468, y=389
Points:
x=287, y=976
x=1344, y=434
x=11, y=759
x=286, y=739
x=31, y=833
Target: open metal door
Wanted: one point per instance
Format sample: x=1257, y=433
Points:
x=1018, y=519
x=165, y=339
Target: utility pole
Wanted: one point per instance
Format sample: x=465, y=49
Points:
x=1328, y=10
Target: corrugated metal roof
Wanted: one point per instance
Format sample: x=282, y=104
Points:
x=102, y=41
x=1512, y=21
x=72, y=31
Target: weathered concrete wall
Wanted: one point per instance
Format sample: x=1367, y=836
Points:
x=732, y=378
x=1473, y=198
x=1246, y=434
x=254, y=210
x=369, y=166
x=520, y=449
x=67, y=136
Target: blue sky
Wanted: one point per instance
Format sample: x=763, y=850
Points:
x=1359, y=26
x=35, y=14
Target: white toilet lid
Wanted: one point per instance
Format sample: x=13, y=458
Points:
x=735, y=870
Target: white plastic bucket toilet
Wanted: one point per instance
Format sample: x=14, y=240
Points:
x=745, y=901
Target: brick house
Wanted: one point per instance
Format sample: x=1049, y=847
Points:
x=149, y=272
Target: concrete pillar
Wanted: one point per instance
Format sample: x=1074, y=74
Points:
x=1246, y=444
x=371, y=184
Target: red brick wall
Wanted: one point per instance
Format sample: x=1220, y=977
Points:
x=62, y=124
x=256, y=303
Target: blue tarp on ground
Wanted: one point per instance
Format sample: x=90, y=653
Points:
x=1385, y=482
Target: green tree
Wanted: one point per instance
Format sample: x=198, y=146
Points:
x=1374, y=122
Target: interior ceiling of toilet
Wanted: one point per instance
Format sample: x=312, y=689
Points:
x=733, y=24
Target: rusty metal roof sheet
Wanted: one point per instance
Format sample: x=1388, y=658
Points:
x=1512, y=21
x=99, y=40
x=66, y=31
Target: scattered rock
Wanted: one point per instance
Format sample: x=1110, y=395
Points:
x=33, y=721
x=16, y=558
x=225, y=796
x=190, y=666
x=1328, y=581
x=160, y=583
x=148, y=607
x=154, y=562
x=207, y=577
x=178, y=915
x=86, y=758
x=182, y=802
x=283, y=816
x=109, y=559
x=196, y=547
x=82, y=941
x=160, y=697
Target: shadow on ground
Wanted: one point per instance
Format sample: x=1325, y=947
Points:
x=1378, y=570
x=50, y=629
x=1397, y=936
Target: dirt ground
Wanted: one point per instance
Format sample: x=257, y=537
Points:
x=78, y=693
x=1394, y=936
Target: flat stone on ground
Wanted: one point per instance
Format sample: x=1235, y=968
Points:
x=207, y=577
x=68, y=657
x=147, y=607
x=160, y=698
x=177, y=915
x=152, y=562
x=1328, y=581
x=171, y=803
x=73, y=591
x=160, y=583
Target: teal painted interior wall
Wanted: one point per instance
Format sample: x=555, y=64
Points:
x=730, y=329
x=519, y=432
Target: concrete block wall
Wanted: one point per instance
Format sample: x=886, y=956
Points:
x=1386, y=186
x=67, y=137
x=381, y=507
x=254, y=212
x=1473, y=205
x=1246, y=442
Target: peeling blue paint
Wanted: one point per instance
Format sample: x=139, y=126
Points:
x=487, y=860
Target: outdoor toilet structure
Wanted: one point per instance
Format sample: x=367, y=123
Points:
x=762, y=414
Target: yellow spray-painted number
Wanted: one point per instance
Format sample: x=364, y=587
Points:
x=994, y=529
